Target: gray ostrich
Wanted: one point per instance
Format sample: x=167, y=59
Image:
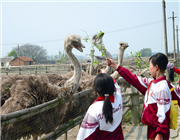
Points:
x=29, y=91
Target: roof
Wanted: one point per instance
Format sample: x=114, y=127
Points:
x=6, y=59
x=25, y=58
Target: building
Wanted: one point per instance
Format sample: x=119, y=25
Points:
x=22, y=60
x=5, y=61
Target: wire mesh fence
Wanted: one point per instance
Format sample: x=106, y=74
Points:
x=43, y=119
x=51, y=120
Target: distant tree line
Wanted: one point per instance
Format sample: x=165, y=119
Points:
x=37, y=53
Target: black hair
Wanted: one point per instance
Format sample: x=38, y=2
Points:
x=161, y=60
x=104, y=84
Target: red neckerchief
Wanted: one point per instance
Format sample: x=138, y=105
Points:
x=102, y=98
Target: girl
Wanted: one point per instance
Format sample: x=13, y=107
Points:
x=176, y=70
x=156, y=109
x=104, y=117
x=176, y=92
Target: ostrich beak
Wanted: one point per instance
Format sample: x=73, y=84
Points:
x=123, y=45
x=79, y=46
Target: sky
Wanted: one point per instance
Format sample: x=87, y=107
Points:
x=48, y=23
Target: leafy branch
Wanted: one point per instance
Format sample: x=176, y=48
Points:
x=138, y=58
x=100, y=48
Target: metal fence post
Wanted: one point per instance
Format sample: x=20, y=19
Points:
x=135, y=115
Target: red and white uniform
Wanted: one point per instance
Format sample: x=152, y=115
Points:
x=156, y=107
x=94, y=125
x=176, y=70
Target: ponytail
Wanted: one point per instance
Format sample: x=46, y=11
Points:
x=171, y=75
x=104, y=86
x=107, y=110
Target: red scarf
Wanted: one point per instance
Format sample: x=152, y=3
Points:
x=102, y=98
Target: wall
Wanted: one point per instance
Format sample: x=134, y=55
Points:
x=15, y=62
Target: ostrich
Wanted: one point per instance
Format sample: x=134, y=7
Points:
x=33, y=90
x=93, y=69
x=97, y=41
x=122, y=47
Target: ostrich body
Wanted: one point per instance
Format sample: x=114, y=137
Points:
x=29, y=91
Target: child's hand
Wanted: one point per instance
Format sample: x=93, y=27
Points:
x=111, y=63
x=102, y=71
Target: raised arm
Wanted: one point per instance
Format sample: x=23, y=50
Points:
x=138, y=82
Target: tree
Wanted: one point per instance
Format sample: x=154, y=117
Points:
x=12, y=53
x=62, y=57
x=35, y=52
x=146, y=52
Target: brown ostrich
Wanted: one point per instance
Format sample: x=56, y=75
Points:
x=29, y=91
x=95, y=69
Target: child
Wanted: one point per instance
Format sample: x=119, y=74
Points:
x=156, y=109
x=176, y=70
x=104, y=117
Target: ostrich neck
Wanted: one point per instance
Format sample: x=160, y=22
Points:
x=107, y=55
x=77, y=68
x=92, y=61
x=120, y=56
x=116, y=75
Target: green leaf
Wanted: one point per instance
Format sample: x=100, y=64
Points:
x=100, y=34
x=86, y=39
x=103, y=54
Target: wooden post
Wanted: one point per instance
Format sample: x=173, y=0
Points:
x=19, y=70
x=177, y=44
x=135, y=115
x=46, y=69
x=36, y=71
x=65, y=136
x=6, y=71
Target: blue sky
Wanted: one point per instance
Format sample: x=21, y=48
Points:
x=48, y=23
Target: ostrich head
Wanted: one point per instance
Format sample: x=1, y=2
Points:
x=73, y=41
x=123, y=46
x=97, y=40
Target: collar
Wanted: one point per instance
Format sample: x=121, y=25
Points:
x=102, y=98
x=159, y=79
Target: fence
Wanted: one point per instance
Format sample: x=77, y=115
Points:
x=35, y=69
x=51, y=119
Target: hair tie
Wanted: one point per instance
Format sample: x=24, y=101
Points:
x=170, y=65
x=106, y=95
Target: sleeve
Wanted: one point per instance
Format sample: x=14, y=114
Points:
x=176, y=70
x=138, y=82
x=163, y=105
x=88, y=126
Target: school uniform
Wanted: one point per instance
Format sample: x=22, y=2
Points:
x=157, y=101
x=176, y=70
x=94, y=126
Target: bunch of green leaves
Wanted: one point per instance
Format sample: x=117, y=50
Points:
x=100, y=48
x=138, y=59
